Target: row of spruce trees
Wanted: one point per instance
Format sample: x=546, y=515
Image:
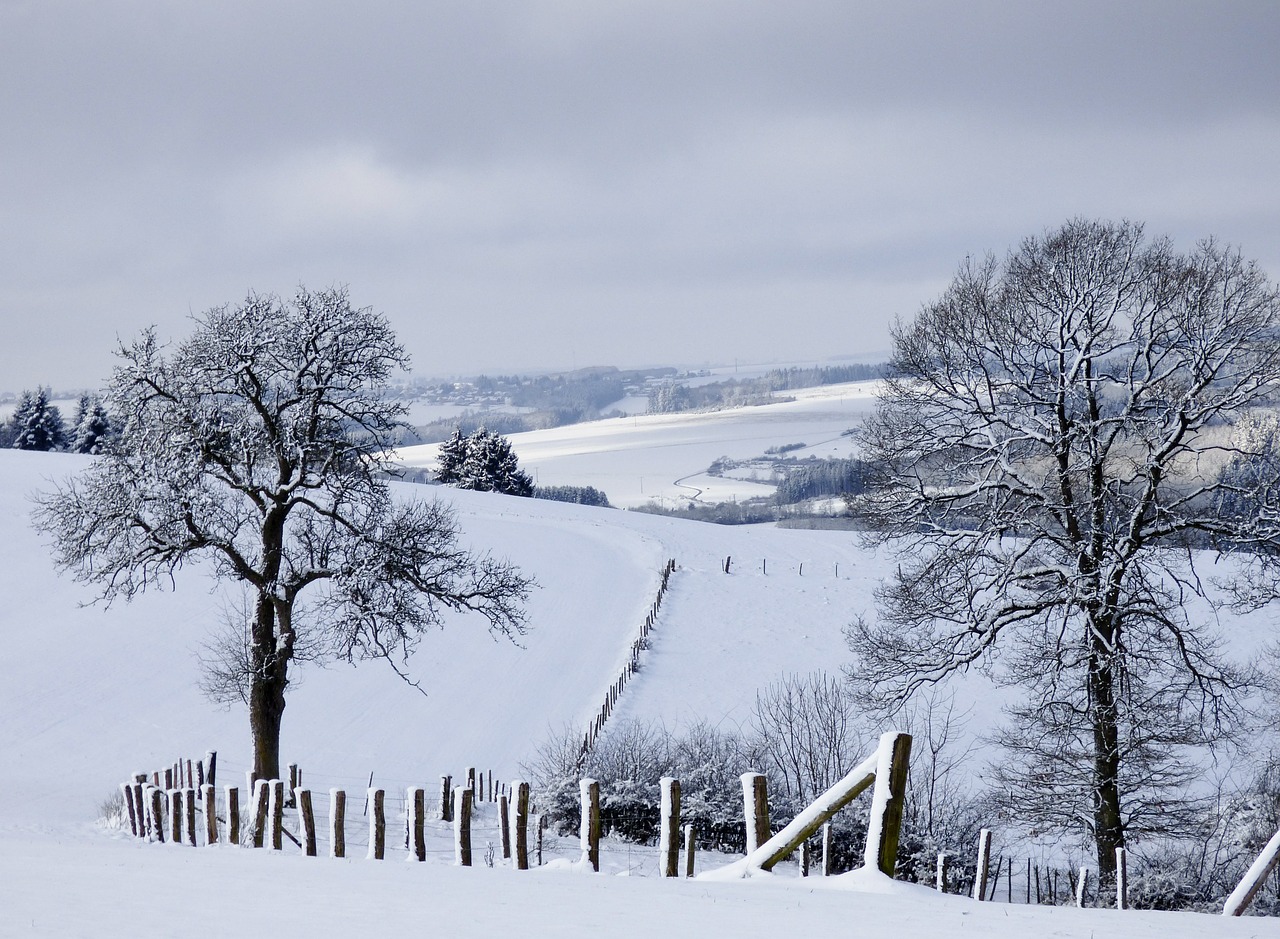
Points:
x=37, y=424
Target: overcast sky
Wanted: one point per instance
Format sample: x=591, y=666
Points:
x=557, y=184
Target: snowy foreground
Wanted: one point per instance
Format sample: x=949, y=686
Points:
x=88, y=696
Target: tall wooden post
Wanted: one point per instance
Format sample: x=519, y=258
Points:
x=504, y=825
x=189, y=804
x=337, y=823
x=446, y=799
x=827, y=858
x=175, y=816
x=260, y=807
x=589, y=833
x=669, y=830
x=209, y=801
x=984, y=857
x=417, y=820
x=306, y=821
x=888, y=799
x=1122, y=879
x=940, y=883
x=690, y=849
x=804, y=859
x=232, y=797
x=755, y=809
x=157, y=813
x=522, y=825
x=277, y=814
x=462, y=825
x=377, y=825
x=136, y=788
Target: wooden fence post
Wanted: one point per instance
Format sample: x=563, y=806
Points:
x=175, y=816
x=804, y=858
x=189, y=805
x=377, y=825
x=669, y=831
x=462, y=825
x=1122, y=879
x=137, y=789
x=293, y=784
x=259, y=812
x=589, y=832
x=522, y=825
x=306, y=821
x=542, y=827
x=446, y=799
x=209, y=801
x=337, y=823
x=127, y=791
x=940, y=883
x=232, y=796
x=690, y=849
x=157, y=813
x=984, y=856
x=755, y=809
x=417, y=818
x=827, y=846
x=887, y=801
x=276, y=788
x=504, y=826
x=1081, y=881
x=471, y=781
x=211, y=767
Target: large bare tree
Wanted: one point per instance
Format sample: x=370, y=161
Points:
x=1051, y=449
x=261, y=443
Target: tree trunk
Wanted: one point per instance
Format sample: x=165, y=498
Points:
x=1108, y=826
x=267, y=692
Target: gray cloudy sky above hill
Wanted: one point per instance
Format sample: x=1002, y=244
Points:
x=549, y=184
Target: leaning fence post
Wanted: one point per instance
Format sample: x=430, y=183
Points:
x=887, y=800
x=984, y=855
x=210, y=814
x=133, y=811
x=504, y=826
x=669, y=831
x=690, y=849
x=755, y=809
x=277, y=814
x=306, y=821
x=232, y=796
x=337, y=823
x=1254, y=878
x=259, y=812
x=377, y=825
x=1122, y=879
x=417, y=818
x=589, y=832
x=462, y=825
x=522, y=825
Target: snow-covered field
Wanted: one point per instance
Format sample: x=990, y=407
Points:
x=663, y=457
x=89, y=695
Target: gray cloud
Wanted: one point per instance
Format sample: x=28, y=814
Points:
x=522, y=184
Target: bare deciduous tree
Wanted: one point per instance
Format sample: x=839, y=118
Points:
x=1051, y=448
x=261, y=443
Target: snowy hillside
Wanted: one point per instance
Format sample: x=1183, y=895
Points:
x=89, y=695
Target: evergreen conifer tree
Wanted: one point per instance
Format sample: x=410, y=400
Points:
x=93, y=426
x=38, y=423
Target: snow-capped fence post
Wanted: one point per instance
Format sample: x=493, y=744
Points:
x=669, y=827
x=1122, y=879
x=1081, y=881
x=1254, y=878
x=417, y=809
x=141, y=806
x=690, y=849
x=168, y=779
x=232, y=796
x=175, y=816
x=127, y=791
x=462, y=825
x=211, y=767
x=293, y=784
x=804, y=858
x=190, y=780
x=337, y=823
x=984, y=856
x=589, y=831
x=276, y=787
x=189, y=804
x=377, y=825
x=306, y=820
x=755, y=810
x=522, y=825
x=887, y=802
x=940, y=881
x=210, y=803
x=827, y=857
x=446, y=798
x=504, y=826
x=259, y=812
x=157, y=813
x=471, y=780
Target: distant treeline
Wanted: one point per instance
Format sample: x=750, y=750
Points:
x=798, y=480
x=580, y=495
